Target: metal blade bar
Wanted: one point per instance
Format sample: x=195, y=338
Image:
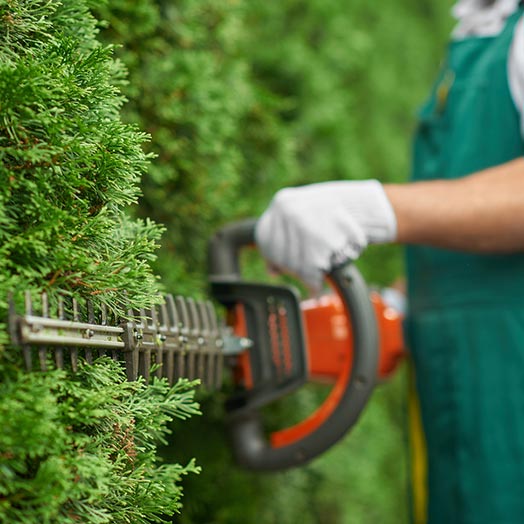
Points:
x=36, y=330
x=181, y=337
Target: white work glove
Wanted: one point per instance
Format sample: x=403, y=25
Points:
x=311, y=229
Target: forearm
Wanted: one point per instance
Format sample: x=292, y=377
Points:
x=483, y=212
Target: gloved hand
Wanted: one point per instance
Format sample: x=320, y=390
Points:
x=311, y=229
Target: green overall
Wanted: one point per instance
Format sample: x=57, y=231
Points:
x=466, y=323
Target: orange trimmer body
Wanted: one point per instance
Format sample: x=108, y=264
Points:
x=329, y=339
x=330, y=353
x=329, y=336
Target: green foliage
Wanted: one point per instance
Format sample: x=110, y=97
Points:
x=75, y=447
x=213, y=127
x=69, y=166
x=82, y=447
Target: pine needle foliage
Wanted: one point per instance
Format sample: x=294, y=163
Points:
x=82, y=447
x=68, y=165
x=75, y=447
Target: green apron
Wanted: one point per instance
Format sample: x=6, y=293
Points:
x=466, y=323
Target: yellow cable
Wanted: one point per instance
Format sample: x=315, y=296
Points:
x=418, y=455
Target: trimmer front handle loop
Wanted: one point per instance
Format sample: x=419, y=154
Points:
x=293, y=446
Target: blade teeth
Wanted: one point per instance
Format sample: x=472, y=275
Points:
x=142, y=318
x=194, y=323
x=90, y=312
x=103, y=314
x=89, y=355
x=183, y=312
x=172, y=313
x=206, y=310
x=28, y=303
x=102, y=311
x=156, y=316
x=164, y=318
x=74, y=351
x=91, y=320
x=184, y=364
x=74, y=359
x=12, y=319
x=218, y=357
x=180, y=335
x=75, y=310
x=28, y=359
x=206, y=361
x=45, y=305
x=171, y=330
x=212, y=318
x=59, y=352
x=204, y=319
x=193, y=356
x=202, y=342
x=42, y=351
x=153, y=317
x=144, y=354
x=60, y=308
x=59, y=357
x=42, y=357
x=162, y=336
x=131, y=354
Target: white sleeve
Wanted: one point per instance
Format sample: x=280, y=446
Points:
x=516, y=70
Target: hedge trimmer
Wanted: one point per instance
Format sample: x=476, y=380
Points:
x=270, y=344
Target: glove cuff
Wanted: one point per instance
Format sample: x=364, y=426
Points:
x=371, y=208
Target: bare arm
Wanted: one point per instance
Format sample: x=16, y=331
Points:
x=483, y=212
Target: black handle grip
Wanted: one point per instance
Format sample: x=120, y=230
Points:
x=223, y=249
x=251, y=446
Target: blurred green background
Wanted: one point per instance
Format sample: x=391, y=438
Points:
x=241, y=98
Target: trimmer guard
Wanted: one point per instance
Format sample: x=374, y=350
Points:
x=271, y=318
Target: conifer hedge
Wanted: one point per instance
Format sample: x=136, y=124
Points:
x=75, y=447
x=243, y=97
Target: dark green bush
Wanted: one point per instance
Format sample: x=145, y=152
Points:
x=82, y=448
x=74, y=448
x=69, y=165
